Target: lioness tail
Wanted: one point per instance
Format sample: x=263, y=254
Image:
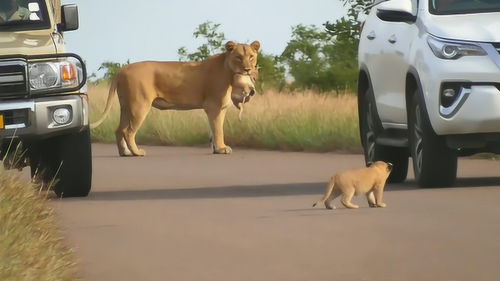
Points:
x=109, y=103
x=328, y=192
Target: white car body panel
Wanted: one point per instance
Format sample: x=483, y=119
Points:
x=389, y=63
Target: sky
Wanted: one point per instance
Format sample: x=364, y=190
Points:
x=118, y=30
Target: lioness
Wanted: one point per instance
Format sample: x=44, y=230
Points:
x=370, y=181
x=180, y=86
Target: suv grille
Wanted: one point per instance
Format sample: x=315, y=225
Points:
x=13, y=79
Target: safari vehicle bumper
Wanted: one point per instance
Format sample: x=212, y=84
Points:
x=42, y=95
x=44, y=117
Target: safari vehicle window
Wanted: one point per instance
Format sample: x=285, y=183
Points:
x=450, y=7
x=23, y=15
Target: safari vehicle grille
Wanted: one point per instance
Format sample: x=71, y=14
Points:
x=13, y=79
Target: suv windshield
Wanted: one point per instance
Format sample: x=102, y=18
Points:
x=448, y=7
x=23, y=15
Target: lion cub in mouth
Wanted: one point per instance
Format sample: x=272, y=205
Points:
x=370, y=181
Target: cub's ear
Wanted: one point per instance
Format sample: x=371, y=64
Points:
x=389, y=166
x=255, y=45
x=230, y=46
x=369, y=164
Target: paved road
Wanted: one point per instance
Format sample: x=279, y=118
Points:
x=184, y=214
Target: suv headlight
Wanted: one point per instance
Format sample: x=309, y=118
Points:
x=452, y=50
x=55, y=74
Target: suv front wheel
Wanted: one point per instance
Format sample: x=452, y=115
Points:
x=369, y=128
x=434, y=163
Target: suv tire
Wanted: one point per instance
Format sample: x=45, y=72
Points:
x=65, y=162
x=369, y=128
x=434, y=164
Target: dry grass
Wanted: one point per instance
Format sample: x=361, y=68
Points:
x=286, y=121
x=31, y=246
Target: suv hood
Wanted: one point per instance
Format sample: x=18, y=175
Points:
x=483, y=27
x=27, y=43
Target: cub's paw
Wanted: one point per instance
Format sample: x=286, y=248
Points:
x=381, y=205
x=140, y=153
x=224, y=150
x=330, y=207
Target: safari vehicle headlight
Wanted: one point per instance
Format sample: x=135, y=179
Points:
x=452, y=50
x=55, y=74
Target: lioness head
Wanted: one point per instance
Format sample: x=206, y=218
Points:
x=243, y=88
x=242, y=58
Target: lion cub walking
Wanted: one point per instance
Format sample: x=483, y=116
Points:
x=370, y=181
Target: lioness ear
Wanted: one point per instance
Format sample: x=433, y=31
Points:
x=255, y=45
x=230, y=46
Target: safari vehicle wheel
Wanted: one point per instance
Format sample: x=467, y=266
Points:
x=65, y=162
x=369, y=128
x=434, y=163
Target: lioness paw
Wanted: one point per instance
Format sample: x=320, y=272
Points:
x=224, y=150
x=382, y=205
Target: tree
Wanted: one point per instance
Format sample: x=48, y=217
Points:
x=213, y=43
x=110, y=70
x=271, y=73
x=349, y=27
x=346, y=32
x=307, y=60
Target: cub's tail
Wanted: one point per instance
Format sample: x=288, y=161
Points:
x=328, y=192
x=109, y=103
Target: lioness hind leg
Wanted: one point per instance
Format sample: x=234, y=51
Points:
x=130, y=124
x=120, y=134
x=122, y=144
x=347, y=197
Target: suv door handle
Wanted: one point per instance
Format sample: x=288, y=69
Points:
x=371, y=35
x=393, y=39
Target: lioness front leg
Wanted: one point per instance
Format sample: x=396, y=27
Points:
x=216, y=117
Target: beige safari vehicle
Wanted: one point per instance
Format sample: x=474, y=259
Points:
x=44, y=119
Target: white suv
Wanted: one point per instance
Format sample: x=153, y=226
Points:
x=429, y=85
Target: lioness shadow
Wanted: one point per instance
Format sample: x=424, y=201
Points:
x=272, y=190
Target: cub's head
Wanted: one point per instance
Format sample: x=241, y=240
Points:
x=381, y=166
x=243, y=88
x=242, y=58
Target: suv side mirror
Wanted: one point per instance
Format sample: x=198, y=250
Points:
x=69, y=18
x=396, y=11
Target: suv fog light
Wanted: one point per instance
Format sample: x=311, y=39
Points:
x=449, y=93
x=448, y=96
x=62, y=116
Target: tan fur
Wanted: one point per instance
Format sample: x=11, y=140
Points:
x=180, y=86
x=369, y=181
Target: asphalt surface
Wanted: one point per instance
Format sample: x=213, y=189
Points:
x=185, y=214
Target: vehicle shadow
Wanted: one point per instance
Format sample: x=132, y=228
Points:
x=272, y=190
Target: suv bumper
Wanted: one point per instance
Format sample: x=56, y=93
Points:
x=33, y=118
x=477, y=107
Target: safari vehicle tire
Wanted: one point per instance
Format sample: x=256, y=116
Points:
x=65, y=162
x=370, y=126
x=434, y=164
